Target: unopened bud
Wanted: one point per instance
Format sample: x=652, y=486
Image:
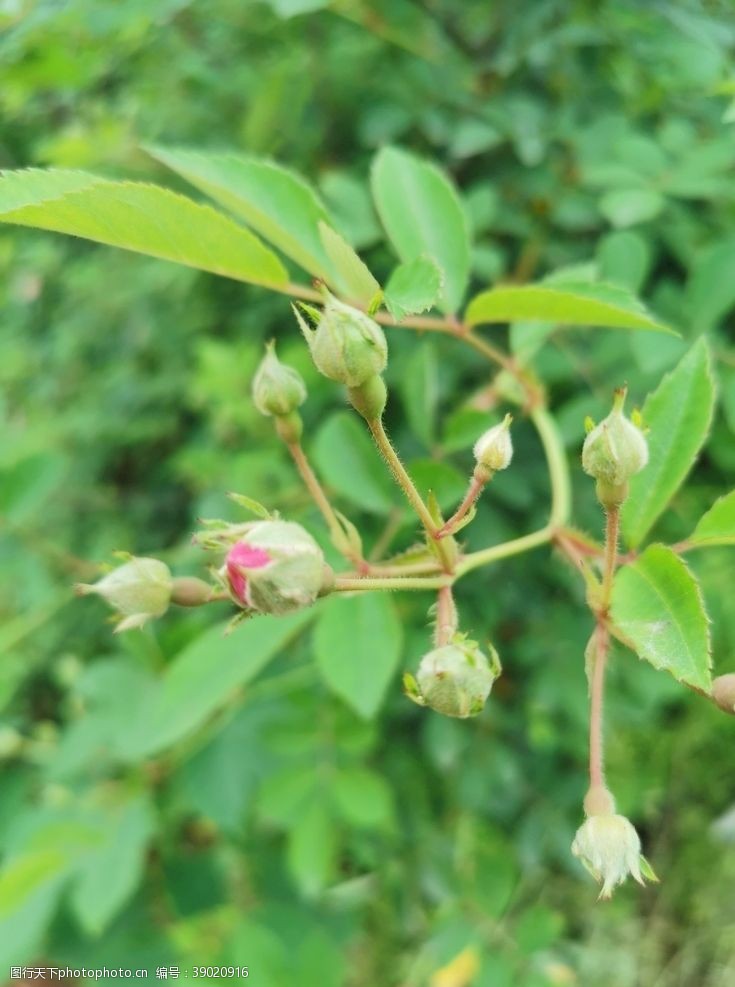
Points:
x=139, y=590
x=454, y=679
x=613, y=451
x=346, y=345
x=274, y=567
x=277, y=388
x=608, y=845
x=723, y=692
x=494, y=449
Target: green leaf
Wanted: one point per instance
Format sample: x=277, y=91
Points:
x=276, y=202
x=710, y=290
x=202, y=677
x=717, y=526
x=312, y=848
x=358, y=644
x=422, y=215
x=28, y=873
x=110, y=873
x=353, y=276
x=574, y=305
x=678, y=414
x=627, y=207
x=413, y=287
x=144, y=218
x=362, y=797
x=420, y=392
x=658, y=611
x=350, y=464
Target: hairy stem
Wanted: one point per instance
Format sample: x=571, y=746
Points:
x=319, y=497
x=600, y=648
x=350, y=584
x=515, y=547
x=475, y=488
x=446, y=617
x=407, y=485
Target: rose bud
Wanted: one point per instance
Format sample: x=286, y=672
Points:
x=277, y=388
x=494, y=449
x=139, y=590
x=608, y=845
x=723, y=692
x=454, y=679
x=347, y=346
x=613, y=451
x=274, y=567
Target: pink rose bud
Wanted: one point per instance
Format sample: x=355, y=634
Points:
x=274, y=567
x=241, y=558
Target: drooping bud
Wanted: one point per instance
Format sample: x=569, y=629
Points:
x=346, y=345
x=608, y=845
x=274, y=567
x=613, y=451
x=139, y=590
x=277, y=388
x=723, y=692
x=454, y=679
x=494, y=449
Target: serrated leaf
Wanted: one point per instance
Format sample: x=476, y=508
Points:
x=413, y=287
x=657, y=609
x=357, y=644
x=275, y=201
x=717, y=526
x=144, y=218
x=678, y=415
x=422, y=215
x=585, y=304
x=353, y=277
x=202, y=677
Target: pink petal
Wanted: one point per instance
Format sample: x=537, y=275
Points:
x=240, y=558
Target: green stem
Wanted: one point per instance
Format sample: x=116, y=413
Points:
x=475, y=488
x=515, y=547
x=561, y=498
x=407, y=485
x=350, y=584
x=402, y=478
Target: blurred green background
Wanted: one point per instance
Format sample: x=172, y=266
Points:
x=287, y=831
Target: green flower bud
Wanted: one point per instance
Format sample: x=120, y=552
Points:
x=494, y=449
x=274, y=567
x=723, y=692
x=608, y=845
x=347, y=346
x=277, y=388
x=454, y=679
x=613, y=451
x=138, y=590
